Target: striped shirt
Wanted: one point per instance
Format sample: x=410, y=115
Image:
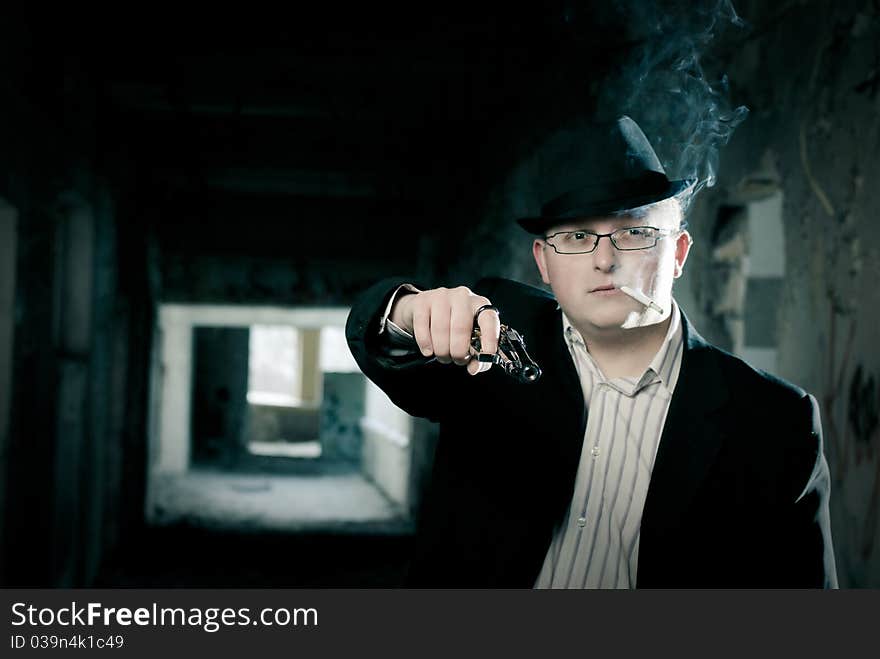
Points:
x=597, y=543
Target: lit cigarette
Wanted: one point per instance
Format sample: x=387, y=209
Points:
x=642, y=298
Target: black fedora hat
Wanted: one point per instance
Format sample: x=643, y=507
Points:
x=621, y=173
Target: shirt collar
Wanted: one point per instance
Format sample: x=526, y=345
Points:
x=665, y=364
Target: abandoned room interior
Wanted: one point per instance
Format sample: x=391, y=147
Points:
x=191, y=202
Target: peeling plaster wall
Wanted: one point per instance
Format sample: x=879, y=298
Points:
x=810, y=73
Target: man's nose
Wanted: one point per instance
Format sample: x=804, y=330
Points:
x=605, y=255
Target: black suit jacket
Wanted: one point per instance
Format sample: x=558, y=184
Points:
x=738, y=495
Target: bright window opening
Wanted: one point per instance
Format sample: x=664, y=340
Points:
x=274, y=366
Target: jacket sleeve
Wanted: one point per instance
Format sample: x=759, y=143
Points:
x=421, y=386
x=806, y=557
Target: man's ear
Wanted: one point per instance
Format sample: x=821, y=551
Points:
x=682, y=249
x=540, y=259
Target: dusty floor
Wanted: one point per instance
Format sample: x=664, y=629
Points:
x=324, y=526
x=323, y=502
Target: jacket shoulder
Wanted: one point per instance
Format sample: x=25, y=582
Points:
x=754, y=383
x=780, y=417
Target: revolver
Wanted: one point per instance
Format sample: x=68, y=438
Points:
x=511, y=356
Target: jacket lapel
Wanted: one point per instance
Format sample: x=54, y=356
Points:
x=563, y=412
x=562, y=366
x=692, y=435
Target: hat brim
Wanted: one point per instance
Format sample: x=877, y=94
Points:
x=538, y=225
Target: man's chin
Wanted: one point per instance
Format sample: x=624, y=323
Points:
x=606, y=322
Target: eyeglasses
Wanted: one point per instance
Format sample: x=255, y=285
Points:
x=626, y=239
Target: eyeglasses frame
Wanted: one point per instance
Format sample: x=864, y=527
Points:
x=662, y=233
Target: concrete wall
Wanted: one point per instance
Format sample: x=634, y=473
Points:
x=73, y=316
x=275, y=423
x=342, y=407
x=66, y=436
x=810, y=78
x=219, y=395
x=71, y=409
x=387, y=448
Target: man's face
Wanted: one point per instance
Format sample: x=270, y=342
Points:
x=587, y=285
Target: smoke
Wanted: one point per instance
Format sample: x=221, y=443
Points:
x=670, y=84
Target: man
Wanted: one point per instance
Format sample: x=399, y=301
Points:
x=643, y=456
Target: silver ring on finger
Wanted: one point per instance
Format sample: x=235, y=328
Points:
x=484, y=308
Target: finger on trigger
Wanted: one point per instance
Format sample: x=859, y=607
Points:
x=490, y=328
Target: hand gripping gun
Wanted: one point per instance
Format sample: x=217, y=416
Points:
x=511, y=356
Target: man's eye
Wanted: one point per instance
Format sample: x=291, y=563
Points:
x=579, y=235
x=637, y=232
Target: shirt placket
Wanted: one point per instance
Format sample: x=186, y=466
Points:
x=589, y=481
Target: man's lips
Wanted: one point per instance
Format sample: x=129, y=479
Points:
x=606, y=288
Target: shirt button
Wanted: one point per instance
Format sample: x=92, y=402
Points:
x=582, y=521
x=594, y=451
